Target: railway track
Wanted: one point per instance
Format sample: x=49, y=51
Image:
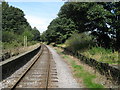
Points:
x=41, y=73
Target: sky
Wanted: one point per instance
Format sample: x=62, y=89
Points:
x=39, y=14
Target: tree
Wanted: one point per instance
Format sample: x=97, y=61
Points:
x=59, y=30
x=13, y=19
x=102, y=19
x=77, y=12
x=8, y=36
x=15, y=25
x=115, y=25
x=92, y=17
x=36, y=34
x=99, y=20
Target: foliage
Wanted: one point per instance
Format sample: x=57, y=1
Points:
x=79, y=42
x=15, y=27
x=28, y=34
x=36, y=34
x=59, y=30
x=11, y=45
x=8, y=36
x=76, y=12
x=100, y=18
x=43, y=37
x=116, y=24
x=88, y=17
x=13, y=19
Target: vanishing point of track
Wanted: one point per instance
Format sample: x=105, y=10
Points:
x=41, y=73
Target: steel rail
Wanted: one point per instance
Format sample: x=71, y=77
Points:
x=48, y=71
x=24, y=73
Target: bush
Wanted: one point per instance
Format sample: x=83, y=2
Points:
x=79, y=42
x=8, y=36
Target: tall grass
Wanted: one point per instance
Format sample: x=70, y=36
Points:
x=101, y=50
x=103, y=55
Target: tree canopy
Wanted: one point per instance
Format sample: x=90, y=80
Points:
x=102, y=19
x=15, y=25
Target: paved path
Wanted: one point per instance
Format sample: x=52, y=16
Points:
x=65, y=77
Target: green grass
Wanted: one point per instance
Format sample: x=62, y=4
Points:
x=86, y=76
x=102, y=55
x=81, y=73
x=61, y=45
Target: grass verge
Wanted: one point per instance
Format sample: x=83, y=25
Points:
x=79, y=72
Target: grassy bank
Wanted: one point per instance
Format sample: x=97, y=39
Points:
x=80, y=72
x=102, y=55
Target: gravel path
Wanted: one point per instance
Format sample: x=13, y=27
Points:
x=65, y=78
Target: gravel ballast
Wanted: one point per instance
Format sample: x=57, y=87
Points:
x=65, y=77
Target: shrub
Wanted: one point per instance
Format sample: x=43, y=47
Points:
x=8, y=36
x=79, y=42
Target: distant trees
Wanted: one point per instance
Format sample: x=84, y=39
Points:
x=102, y=19
x=59, y=30
x=15, y=25
x=36, y=34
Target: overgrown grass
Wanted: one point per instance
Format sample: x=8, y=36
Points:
x=102, y=55
x=81, y=73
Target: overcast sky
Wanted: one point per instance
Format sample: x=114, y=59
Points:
x=39, y=14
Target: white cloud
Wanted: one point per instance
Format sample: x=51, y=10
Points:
x=40, y=23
